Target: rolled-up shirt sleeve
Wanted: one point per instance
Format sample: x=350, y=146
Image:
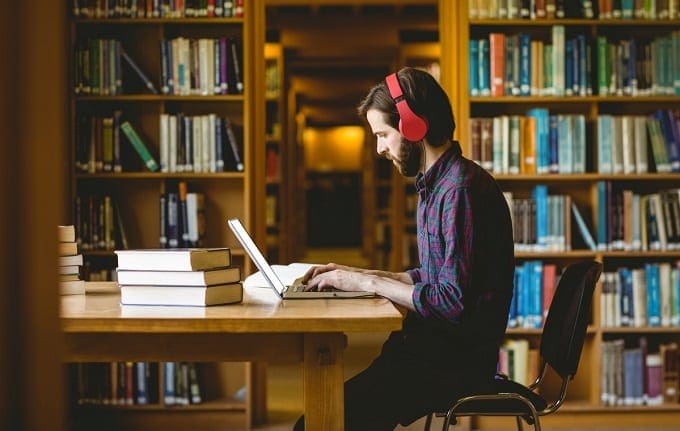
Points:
x=451, y=256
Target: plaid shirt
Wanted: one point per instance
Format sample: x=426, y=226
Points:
x=465, y=247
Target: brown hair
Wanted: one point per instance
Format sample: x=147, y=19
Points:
x=425, y=97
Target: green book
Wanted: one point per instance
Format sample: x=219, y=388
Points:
x=602, y=66
x=139, y=146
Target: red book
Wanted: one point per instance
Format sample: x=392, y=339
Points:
x=497, y=63
x=549, y=284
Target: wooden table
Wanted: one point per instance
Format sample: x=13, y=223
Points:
x=263, y=328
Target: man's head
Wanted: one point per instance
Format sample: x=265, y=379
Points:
x=425, y=99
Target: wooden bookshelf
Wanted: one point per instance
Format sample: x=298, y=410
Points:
x=583, y=400
x=136, y=190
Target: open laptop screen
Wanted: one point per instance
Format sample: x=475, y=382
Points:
x=255, y=254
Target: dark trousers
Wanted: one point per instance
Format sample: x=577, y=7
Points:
x=400, y=386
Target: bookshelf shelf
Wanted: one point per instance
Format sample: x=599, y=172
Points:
x=574, y=22
x=574, y=254
x=591, y=177
x=120, y=176
x=645, y=330
x=572, y=99
x=161, y=98
x=156, y=21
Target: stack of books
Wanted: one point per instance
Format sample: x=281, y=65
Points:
x=69, y=262
x=188, y=276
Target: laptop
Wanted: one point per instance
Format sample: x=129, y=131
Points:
x=296, y=289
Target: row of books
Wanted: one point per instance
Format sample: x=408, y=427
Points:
x=199, y=143
x=638, y=67
x=182, y=218
x=587, y=9
x=538, y=143
x=204, y=66
x=632, y=375
x=635, y=222
x=640, y=297
x=99, y=147
x=516, y=65
x=157, y=8
x=183, y=277
x=98, y=223
x=534, y=286
x=97, y=67
x=137, y=383
x=69, y=262
x=524, y=65
x=624, y=142
x=542, y=221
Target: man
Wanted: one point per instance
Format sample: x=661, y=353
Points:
x=459, y=296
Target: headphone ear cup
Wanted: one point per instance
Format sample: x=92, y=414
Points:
x=412, y=127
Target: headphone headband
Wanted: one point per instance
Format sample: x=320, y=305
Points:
x=411, y=126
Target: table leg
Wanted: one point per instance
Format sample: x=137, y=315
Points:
x=324, y=382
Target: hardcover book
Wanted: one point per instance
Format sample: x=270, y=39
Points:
x=183, y=259
x=181, y=295
x=182, y=278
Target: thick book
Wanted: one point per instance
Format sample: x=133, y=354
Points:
x=66, y=233
x=181, y=295
x=139, y=146
x=67, y=248
x=179, y=278
x=70, y=260
x=182, y=259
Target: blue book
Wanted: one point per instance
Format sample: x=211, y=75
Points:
x=474, y=67
x=653, y=294
x=671, y=137
x=484, y=69
x=627, y=303
x=512, y=313
x=536, y=298
x=542, y=139
x=520, y=286
x=142, y=390
x=579, y=144
x=169, y=370
x=540, y=195
x=554, y=144
x=524, y=64
x=565, y=144
x=602, y=215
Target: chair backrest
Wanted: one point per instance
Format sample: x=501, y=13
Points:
x=565, y=327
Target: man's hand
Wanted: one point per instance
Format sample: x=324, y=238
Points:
x=320, y=269
x=341, y=279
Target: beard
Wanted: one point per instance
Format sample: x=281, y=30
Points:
x=410, y=155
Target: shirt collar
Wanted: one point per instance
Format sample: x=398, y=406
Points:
x=427, y=181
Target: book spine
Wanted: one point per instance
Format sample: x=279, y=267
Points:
x=231, y=138
x=139, y=146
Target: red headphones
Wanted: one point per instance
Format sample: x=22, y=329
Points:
x=411, y=126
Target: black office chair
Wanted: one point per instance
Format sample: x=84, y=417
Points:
x=561, y=344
